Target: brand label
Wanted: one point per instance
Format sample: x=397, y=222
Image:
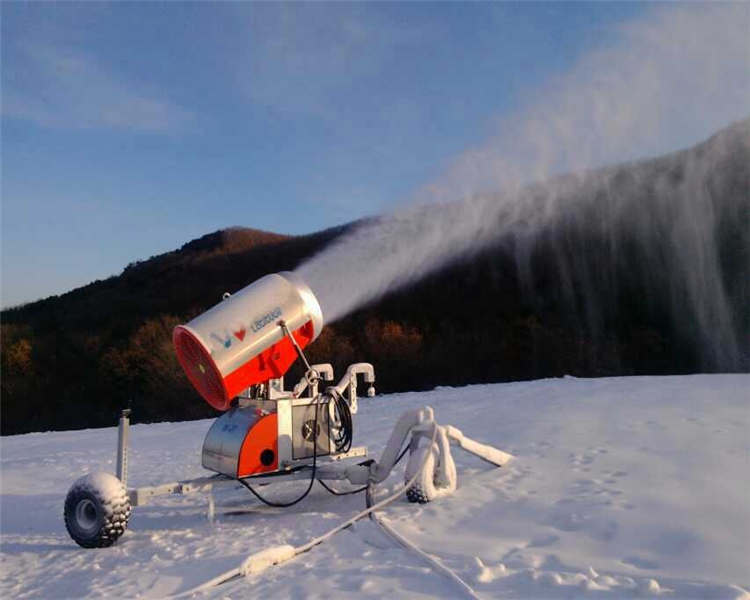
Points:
x=269, y=317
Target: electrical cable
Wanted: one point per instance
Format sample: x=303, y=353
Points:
x=403, y=452
x=436, y=563
x=312, y=475
x=240, y=571
x=363, y=488
x=337, y=493
x=348, y=523
x=409, y=545
x=343, y=439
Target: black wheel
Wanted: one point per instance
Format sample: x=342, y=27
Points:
x=97, y=509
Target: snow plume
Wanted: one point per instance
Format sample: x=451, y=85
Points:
x=667, y=80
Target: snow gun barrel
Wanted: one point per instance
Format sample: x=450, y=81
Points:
x=239, y=342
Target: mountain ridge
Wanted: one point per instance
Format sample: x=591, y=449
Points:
x=73, y=360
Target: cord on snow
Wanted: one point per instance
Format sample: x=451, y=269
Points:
x=271, y=556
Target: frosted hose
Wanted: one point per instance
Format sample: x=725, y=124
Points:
x=278, y=554
x=436, y=563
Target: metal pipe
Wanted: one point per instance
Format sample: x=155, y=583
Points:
x=483, y=451
x=123, y=438
x=380, y=470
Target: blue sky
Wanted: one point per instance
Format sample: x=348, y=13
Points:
x=131, y=128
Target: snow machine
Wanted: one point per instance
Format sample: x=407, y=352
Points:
x=236, y=355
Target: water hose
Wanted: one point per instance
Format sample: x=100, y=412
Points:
x=259, y=561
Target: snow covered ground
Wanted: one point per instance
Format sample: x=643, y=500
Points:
x=622, y=487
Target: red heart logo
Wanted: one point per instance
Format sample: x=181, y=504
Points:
x=240, y=335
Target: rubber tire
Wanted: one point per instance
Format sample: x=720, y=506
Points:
x=97, y=509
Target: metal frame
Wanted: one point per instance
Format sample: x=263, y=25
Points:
x=330, y=469
x=418, y=424
x=412, y=426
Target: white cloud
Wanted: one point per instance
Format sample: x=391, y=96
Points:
x=302, y=59
x=57, y=87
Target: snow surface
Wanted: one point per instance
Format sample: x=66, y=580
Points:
x=622, y=487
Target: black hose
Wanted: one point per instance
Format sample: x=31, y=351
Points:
x=342, y=442
x=312, y=475
x=370, y=488
x=365, y=487
x=343, y=439
x=337, y=493
x=400, y=456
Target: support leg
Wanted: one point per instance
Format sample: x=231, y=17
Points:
x=123, y=439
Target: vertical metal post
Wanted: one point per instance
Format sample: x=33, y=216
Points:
x=123, y=438
x=353, y=393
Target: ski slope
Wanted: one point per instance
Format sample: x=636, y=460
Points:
x=622, y=487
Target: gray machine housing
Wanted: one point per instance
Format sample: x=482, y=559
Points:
x=296, y=418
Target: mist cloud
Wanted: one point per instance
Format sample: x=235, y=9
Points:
x=667, y=80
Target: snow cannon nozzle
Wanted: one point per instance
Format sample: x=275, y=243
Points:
x=249, y=337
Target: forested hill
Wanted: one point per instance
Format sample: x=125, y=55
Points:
x=583, y=299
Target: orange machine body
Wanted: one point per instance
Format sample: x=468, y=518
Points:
x=241, y=342
x=260, y=449
x=219, y=390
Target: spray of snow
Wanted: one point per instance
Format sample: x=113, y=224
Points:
x=667, y=80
